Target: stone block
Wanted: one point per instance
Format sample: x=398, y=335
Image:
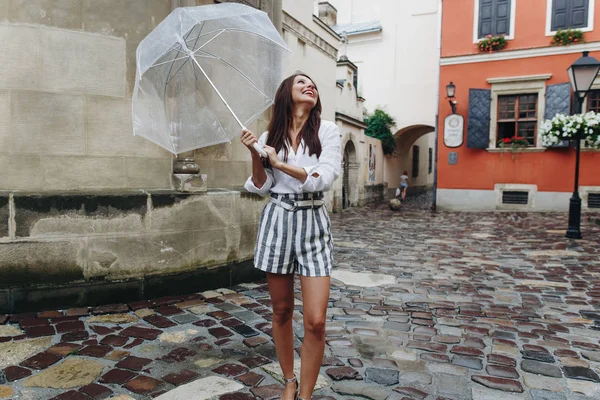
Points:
x=80, y=173
x=19, y=52
x=44, y=216
x=39, y=262
x=4, y=122
x=47, y=123
x=20, y=172
x=84, y=63
x=103, y=17
x=73, y=373
x=59, y=13
x=148, y=173
x=109, y=128
x=159, y=253
x=207, y=211
x=225, y=173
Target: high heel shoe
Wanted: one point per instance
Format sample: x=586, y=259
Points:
x=293, y=380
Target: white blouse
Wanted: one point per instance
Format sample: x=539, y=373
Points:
x=327, y=166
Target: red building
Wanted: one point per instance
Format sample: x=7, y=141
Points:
x=508, y=93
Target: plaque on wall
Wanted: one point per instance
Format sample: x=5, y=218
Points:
x=452, y=158
x=454, y=126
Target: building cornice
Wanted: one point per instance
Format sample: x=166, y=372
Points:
x=350, y=120
x=524, y=78
x=323, y=25
x=519, y=54
x=299, y=30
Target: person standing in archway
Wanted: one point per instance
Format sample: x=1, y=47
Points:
x=304, y=159
x=404, y=185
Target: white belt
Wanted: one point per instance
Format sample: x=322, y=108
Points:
x=293, y=205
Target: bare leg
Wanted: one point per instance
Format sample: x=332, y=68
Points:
x=315, y=295
x=281, y=289
x=404, y=194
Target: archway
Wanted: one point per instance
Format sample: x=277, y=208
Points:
x=415, y=162
x=349, y=176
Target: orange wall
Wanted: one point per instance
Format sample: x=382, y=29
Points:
x=530, y=26
x=552, y=170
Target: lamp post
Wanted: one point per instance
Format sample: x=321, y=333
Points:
x=582, y=74
x=450, y=92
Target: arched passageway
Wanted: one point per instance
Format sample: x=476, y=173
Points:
x=415, y=162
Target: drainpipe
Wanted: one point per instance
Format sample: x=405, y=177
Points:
x=437, y=117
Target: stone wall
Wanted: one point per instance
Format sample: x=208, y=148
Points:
x=67, y=240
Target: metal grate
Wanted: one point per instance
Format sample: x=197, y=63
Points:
x=593, y=200
x=514, y=197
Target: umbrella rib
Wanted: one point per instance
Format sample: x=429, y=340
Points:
x=244, y=31
x=181, y=45
x=218, y=93
x=239, y=72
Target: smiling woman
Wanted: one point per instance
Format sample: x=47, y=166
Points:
x=304, y=160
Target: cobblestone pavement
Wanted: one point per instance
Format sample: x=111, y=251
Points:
x=423, y=306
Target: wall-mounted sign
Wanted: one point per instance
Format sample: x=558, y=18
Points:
x=452, y=158
x=454, y=127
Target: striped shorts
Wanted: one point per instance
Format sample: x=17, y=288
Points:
x=291, y=242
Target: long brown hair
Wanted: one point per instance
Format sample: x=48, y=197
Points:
x=282, y=120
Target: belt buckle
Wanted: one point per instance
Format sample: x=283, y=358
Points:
x=292, y=203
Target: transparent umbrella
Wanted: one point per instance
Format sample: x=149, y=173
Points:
x=204, y=73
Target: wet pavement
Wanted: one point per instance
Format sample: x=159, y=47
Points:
x=423, y=306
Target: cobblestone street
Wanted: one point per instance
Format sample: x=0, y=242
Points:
x=423, y=306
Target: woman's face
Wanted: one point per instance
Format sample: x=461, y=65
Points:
x=304, y=91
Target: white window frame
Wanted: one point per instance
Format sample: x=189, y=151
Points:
x=510, y=36
x=533, y=84
x=590, y=27
x=584, y=191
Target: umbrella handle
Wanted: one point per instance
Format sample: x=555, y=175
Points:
x=259, y=150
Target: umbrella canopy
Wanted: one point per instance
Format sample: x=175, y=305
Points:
x=203, y=73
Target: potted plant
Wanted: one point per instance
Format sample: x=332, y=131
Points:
x=569, y=127
x=566, y=37
x=514, y=143
x=492, y=43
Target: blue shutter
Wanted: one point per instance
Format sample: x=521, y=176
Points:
x=486, y=11
x=579, y=13
x=570, y=14
x=560, y=14
x=501, y=17
x=558, y=101
x=478, y=130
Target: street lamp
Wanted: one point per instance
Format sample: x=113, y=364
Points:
x=582, y=74
x=450, y=92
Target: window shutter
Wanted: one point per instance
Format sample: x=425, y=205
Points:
x=560, y=17
x=502, y=17
x=486, y=10
x=494, y=17
x=569, y=14
x=478, y=131
x=579, y=13
x=558, y=101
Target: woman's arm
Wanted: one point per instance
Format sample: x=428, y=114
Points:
x=262, y=179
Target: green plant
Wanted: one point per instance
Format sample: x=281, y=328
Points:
x=566, y=37
x=515, y=142
x=492, y=43
x=379, y=126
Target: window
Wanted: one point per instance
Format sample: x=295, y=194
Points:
x=494, y=17
x=517, y=117
x=593, y=102
x=415, y=162
x=430, y=160
x=569, y=14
